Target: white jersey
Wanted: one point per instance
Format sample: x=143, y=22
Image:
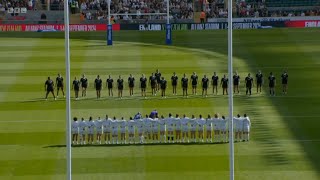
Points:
x=122, y=124
x=82, y=127
x=140, y=126
x=185, y=124
x=75, y=127
x=246, y=124
x=193, y=124
x=209, y=124
x=215, y=123
x=177, y=124
x=131, y=124
x=107, y=125
x=155, y=126
x=237, y=124
x=114, y=126
x=162, y=124
x=91, y=126
x=223, y=125
x=170, y=123
x=98, y=125
x=201, y=122
x=147, y=125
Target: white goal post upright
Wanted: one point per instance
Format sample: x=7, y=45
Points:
x=68, y=105
x=230, y=68
x=168, y=25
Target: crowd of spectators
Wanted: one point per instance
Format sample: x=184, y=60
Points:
x=7, y=4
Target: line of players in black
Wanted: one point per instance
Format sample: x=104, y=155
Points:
x=159, y=83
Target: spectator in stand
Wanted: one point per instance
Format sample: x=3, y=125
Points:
x=202, y=17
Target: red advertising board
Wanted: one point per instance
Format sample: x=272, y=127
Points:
x=57, y=27
x=303, y=24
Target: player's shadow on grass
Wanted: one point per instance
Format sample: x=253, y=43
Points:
x=137, y=144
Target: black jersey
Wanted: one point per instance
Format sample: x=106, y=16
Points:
x=153, y=81
x=236, y=79
x=194, y=80
x=284, y=78
x=163, y=84
x=98, y=84
x=59, y=81
x=76, y=85
x=131, y=81
x=84, y=82
x=224, y=82
x=158, y=76
x=205, y=82
x=50, y=85
x=215, y=80
x=184, y=82
x=249, y=82
x=174, y=80
x=120, y=84
x=272, y=81
x=110, y=83
x=259, y=78
x=143, y=82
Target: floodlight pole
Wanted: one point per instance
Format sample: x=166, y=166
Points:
x=230, y=59
x=109, y=27
x=168, y=26
x=68, y=109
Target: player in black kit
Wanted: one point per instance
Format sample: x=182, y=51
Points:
x=174, y=82
x=284, y=79
x=236, y=82
x=59, y=83
x=120, y=86
x=84, y=85
x=76, y=87
x=205, y=84
x=143, y=85
x=224, y=84
x=49, y=87
x=158, y=77
x=163, y=86
x=194, y=82
x=272, y=84
x=259, y=78
x=153, y=83
x=215, y=79
x=184, y=84
x=249, y=84
x=131, y=84
x=110, y=85
x=98, y=86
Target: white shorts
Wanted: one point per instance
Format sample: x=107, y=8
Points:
x=148, y=131
x=155, y=130
x=82, y=132
x=90, y=131
x=99, y=130
x=140, y=131
x=246, y=129
x=209, y=128
x=122, y=131
x=185, y=129
x=178, y=129
x=170, y=129
x=115, y=132
x=162, y=129
x=131, y=131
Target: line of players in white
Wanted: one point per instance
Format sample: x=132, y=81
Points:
x=159, y=130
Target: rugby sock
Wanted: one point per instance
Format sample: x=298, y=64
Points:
x=270, y=92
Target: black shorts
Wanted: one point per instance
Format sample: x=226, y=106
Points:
x=49, y=89
x=59, y=85
x=120, y=87
x=194, y=84
x=271, y=85
x=158, y=81
x=153, y=86
x=131, y=85
x=204, y=87
x=184, y=87
x=174, y=84
x=143, y=86
x=98, y=88
x=236, y=84
x=84, y=85
x=259, y=83
x=284, y=82
x=214, y=84
x=163, y=88
x=110, y=87
x=224, y=87
x=76, y=88
x=249, y=86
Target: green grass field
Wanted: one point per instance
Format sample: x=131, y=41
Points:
x=285, y=140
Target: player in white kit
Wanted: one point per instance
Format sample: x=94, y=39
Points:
x=106, y=124
x=75, y=130
x=155, y=129
x=82, y=131
x=177, y=124
x=123, y=125
x=216, y=128
x=162, y=124
x=209, y=128
x=140, y=127
x=237, y=121
x=90, y=126
x=131, y=127
x=185, y=128
x=148, y=128
x=193, y=127
x=201, y=122
x=170, y=128
x=98, y=125
x=246, y=127
x=224, y=129
x=114, y=128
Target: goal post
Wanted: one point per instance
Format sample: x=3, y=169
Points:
x=168, y=38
